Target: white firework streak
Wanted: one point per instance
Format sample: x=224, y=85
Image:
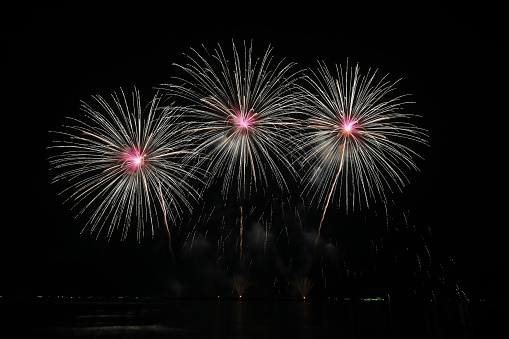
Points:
x=243, y=117
x=353, y=139
x=124, y=160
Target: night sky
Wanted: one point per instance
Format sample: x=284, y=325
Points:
x=450, y=59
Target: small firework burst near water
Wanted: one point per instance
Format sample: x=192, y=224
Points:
x=355, y=137
x=126, y=163
x=241, y=284
x=304, y=286
x=242, y=116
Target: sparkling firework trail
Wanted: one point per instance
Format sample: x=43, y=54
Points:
x=242, y=117
x=353, y=139
x=123, y=161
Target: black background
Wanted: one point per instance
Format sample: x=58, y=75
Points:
x=449, y=58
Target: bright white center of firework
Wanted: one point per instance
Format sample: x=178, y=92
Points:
x=244, y=122
x=348, y=126
x=134, y=158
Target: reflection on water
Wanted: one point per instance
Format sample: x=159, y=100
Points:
x=187, y=318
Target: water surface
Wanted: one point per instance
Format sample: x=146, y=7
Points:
x=246, y=318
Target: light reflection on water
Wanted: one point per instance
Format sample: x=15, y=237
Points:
x=190, y=318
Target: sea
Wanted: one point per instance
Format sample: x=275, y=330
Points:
x=247, y=318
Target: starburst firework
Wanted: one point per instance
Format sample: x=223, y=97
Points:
x=124, y=162
x=242, y=117
x=354, y=137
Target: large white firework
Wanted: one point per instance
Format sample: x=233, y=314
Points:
x=355, y=140
x=241, y=112
x=126, y=163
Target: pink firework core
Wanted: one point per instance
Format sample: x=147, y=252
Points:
x=243, y=122
x=348, y=126
x=133, y=159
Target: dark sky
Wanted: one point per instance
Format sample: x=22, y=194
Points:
x=449, y=59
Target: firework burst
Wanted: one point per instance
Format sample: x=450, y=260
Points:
x=354, y=140
x=242, y=117
x=124, y=162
